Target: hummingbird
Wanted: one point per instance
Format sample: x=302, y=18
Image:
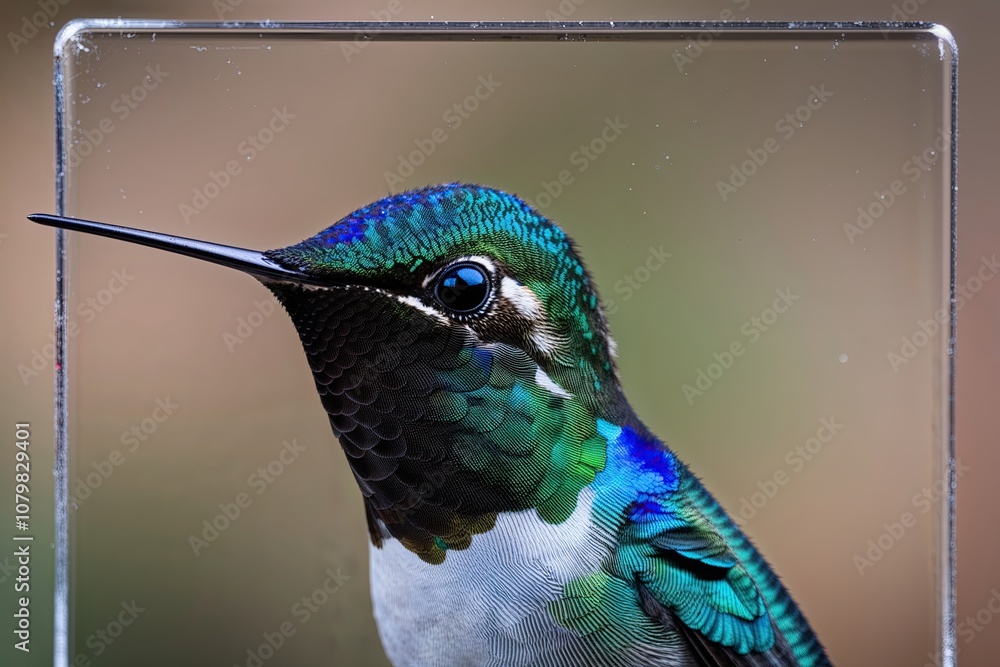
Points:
x=519, y=512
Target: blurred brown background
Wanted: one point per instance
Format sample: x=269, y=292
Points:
x=252, y=426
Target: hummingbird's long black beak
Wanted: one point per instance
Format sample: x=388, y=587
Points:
x=250, y=261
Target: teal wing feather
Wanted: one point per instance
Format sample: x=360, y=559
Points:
x=678, y=559
x=751, y=578
x=696, y=578
x=693, y=581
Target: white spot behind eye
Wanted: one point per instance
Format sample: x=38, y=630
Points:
x=548, y=343
x=544, y=337
x=522, y=298
x=543, y=380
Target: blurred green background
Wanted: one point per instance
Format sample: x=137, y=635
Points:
x=169, y=335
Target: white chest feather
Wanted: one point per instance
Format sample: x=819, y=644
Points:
x=488, y=604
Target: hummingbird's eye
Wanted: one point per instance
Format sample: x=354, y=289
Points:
x=463, y=288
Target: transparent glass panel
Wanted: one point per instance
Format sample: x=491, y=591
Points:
x=765, y=210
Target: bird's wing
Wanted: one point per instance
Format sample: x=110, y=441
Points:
x=690, y=578
x=686, y=568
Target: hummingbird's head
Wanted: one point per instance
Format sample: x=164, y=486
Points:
x=459, y=347
x=477, y=259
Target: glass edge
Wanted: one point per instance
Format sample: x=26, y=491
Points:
x=60, y=621
x=76, y=28
x=948, y=592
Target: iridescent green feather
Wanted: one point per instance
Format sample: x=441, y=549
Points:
x=541, y=446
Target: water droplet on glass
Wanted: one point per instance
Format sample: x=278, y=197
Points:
x=842, y=358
